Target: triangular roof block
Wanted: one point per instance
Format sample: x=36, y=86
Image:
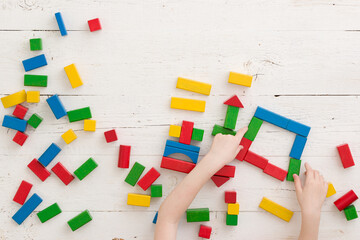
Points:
x=234, y=101
x=219, y=180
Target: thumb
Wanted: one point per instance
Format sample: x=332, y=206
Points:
x=298, y=186
x=241, y=133
x=239, y=148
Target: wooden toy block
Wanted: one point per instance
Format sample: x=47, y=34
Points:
x=35, y=120
x=219, y=129
x=298, y=147
x=20, y=111
x=148, y=179
x=110, y=136
x=94, y=24
x=231, y=117
x=219, y=180
x=271, y=117
x=35, y=44
x=276, y=209
x=226, y=171
x=39, y=170
x=124, y=156
x=253, y=128
x=186, y=132
x=22, y=192
x=14, y=123
x=233, y=209
x=14, y=99
x=34, y=62
x=246, y=143
x=345, y=155
x=298, y=128
x=294, y=168
x=205, y=231
x=192, y=155
x=275, y=171
x=56, y=106
x=177, y=165
x=256, y=160
x=85, y=169
x=230, y=197
x=79, y=114
x=61, y=24
x=331, y=190
x=240, y=79
x=182, y=146
x=175, y=131
x=49, y=212
x=138, y=200
x=234, y=101
x=65, y=176
x=155, y=218
x=73, y=76
x=188, y=104
x=156, y=190
x=134, y=174
x=231, y=220
x=35, y=80
x=89, y=125
x=69, y=136
x=346, y=200
x=20, y=138
x=197, y=134
x=350, y=213
x=51, y=152
x=198, y=215
x=193, y=86
x=80, y=220
x=33, y=96
x=26, y=209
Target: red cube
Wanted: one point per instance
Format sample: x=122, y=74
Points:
x=94, y=24
x=230, y=197
x=20, y=111
x=110, y=136
x=205, y=231
x=20, y=138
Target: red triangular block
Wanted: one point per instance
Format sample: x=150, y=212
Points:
x=234, y=101
x=219, y=181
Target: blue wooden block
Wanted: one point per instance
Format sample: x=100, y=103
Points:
x=192, y=155
x=14, y=123
x=26, y=209
x=61, y=24
x=56, y=106
x=298, y=147
x=271, y=117
x=182, y=146
x=49, y=154
x=34, y=62
x=298, y=128
x=155, y=218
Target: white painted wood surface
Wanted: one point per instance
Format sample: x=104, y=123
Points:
x=305, y=59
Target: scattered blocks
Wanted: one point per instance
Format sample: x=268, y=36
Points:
x=331, y=190
x=35, y=120
x=230, y=197
x=155, y=218
x=14, y=123
x=246, y=143
x=174, y=131
x=34, y=62
x=256, y=160
x=231, y=117
x=22, y=192
x=240, y=79
x=197, y=134
x=110, y=136
x=69, y=136
x=271, y=117
x=39, y=170
x=219, y=180
x=35, y=80
x=89, y=125
x=276, y=209
x=350, y=213
x=85, y=169
x=186, y=132
x=231, y=220
x=61, y=24
x=298, y=128
x=198, y=215
x=56, y=106
x=138, y=200
x=35, y=44
x=205, y=231
x=80, y=220
x=51, y=152
x=73, y=76
x=79, y=114
x=94, y=24
x=14, y=99
x=134, y=174
x=26, y=209
x=253, y=128
x=33, y=96
x=156, y=190
x=233, y=209
x=275, y=172
x=193, y=86
x=65, y=176
x=188, y=104
x=124, y=156
x=346, y=200
x=20, y=111
x=148, y=179
x=294, y=168
x=49, y=212
x=20, y=138
x=219, y=129
x=298, y=147
x=345, y=155
x=177, y=165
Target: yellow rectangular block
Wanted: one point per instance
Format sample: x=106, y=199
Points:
x=138, y=200
x=240, y=79
x=73, y=76
x=331, y=190
x=89, y=125
x=69, y=136
x=193, y=86
x=33, y=96
x=188, y=104
x=14, y=99
x=233, y=208
x=174, y=131
x=276, y=209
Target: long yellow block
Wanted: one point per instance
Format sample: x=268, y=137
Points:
x=240, y=79
x=138, y=200
x=188, y=104
x=233, y=208
x=331, y=190
x=276, y=209
x=73, y=76
x=193, y=86
x=174, y=131
x=14, y=99
x=69, y=136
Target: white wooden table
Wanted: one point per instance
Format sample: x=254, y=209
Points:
x=305, y=59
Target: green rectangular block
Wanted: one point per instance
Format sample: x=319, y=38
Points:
x=35, y=80
x=231, y=220
x=231, y=117
x=134, y=174
x=350, y=213
x=219, y=129
x=198, y=215
x=156, y=190
x=35, y=120
x=253, y=128
x=79, y=114
x=294, y=168
x=49, y=212
x=86, y=168
x=197, y=134
x=35, y=44
x=80, y=220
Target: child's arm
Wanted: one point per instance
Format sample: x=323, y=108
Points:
x=311, y=197
x=223, y=150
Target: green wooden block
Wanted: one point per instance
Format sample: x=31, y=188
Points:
x=219, y=129
x=35, y=120
x=350, y=213
x=49, y=212
x=86, y=168
x=294, y=168
x=79, y=114
x=134, y=174
x=231, y=117
x=80, y=220
x=156, y=190
x=35, y=44
x=197, y=134
x=198, y=215
x=253, y=128
x=231, y=220
x=35, y=80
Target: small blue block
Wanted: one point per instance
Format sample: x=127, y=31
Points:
x=56, y=106
x=298, y=128
x=182, y=146
x=192, y=155
x=14, y=123
x=61, y=24
x=49, y=154
x=34, y=62
x=26, y=209
x=298, y=147
x=271, y=117
x=155, y=218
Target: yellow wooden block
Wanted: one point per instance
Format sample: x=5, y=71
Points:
x=69, y=136
x=89, y=125
x=33, y=96
x=276, y=209
x=188, y=104
x=73, y=76
x=331, y=190
x=138, y=200
x=174, y=131
x=240, y=79
x=233, y=208
x=14, y=99
x=193, y=86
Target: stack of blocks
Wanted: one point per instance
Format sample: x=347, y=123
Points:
x=233, y=208
x=344, y=203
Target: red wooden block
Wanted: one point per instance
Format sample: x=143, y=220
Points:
x=22, y=192
x=20, y=111
x=20, y=138
x=39, y=169
x=94, y=25
x=65, y=176
x=124, y=156
x=256, y=160
x=205, y=231
x=234, y=101
x=110, y=136
x=246, y=143
x=346, y=200
x=275, y=171
x=219, y=180
x=177, y=165
x=345, y=155
x=226, y=171
x=230, y=197
x=150, y=177
x=186, y=132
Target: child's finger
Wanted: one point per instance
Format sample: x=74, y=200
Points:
x=241, y=133
x=239, y=149
x=308, y=167
x=298, y=186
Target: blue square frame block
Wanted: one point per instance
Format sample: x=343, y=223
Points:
x=155, y=218
x=194, y=156
x=182, y=146
x=14, y=123
x=271, y=117
x=49, y=155
x=298, y=128
x=34, y=62
x=56, y=106
x=26, y=209
x=298, y=147
x=61, y=24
